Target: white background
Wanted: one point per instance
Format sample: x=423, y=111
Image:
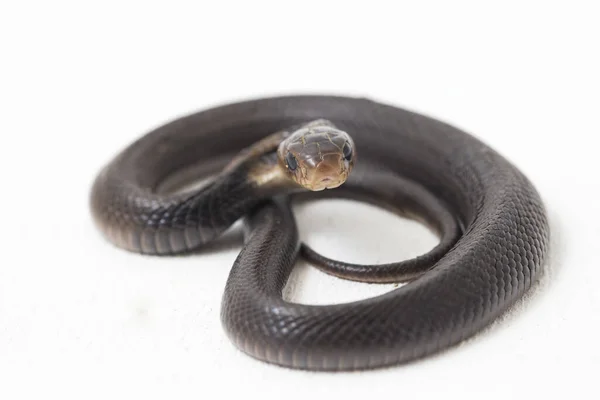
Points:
x=81, y=319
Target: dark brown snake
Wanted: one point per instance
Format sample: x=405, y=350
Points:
x=492, y=223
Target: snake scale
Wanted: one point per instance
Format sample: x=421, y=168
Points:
x=492, y=223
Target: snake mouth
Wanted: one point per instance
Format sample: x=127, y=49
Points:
x=328, y=174
x=326, y=183
x=334, y=185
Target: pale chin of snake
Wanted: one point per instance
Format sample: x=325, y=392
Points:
x=492, y=224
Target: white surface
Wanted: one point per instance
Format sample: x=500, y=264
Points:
x=80, y=319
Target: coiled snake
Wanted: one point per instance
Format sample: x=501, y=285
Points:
x=492, y=223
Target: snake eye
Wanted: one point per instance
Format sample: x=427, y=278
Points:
x=291, y=161
x=347, y=150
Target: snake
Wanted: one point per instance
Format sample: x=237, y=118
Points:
x=258, y=157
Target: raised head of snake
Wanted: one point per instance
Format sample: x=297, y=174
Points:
x=313, y=156
x=317, y=156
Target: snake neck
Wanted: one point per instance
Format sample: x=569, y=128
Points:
x=212, y=210
x=267, y=176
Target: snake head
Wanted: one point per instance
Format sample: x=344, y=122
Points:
x=317, y=156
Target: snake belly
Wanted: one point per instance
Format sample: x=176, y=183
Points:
x=497, y=257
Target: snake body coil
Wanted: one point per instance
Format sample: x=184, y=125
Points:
x=493, y=225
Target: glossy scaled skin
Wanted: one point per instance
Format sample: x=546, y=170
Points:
x=503, y=235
